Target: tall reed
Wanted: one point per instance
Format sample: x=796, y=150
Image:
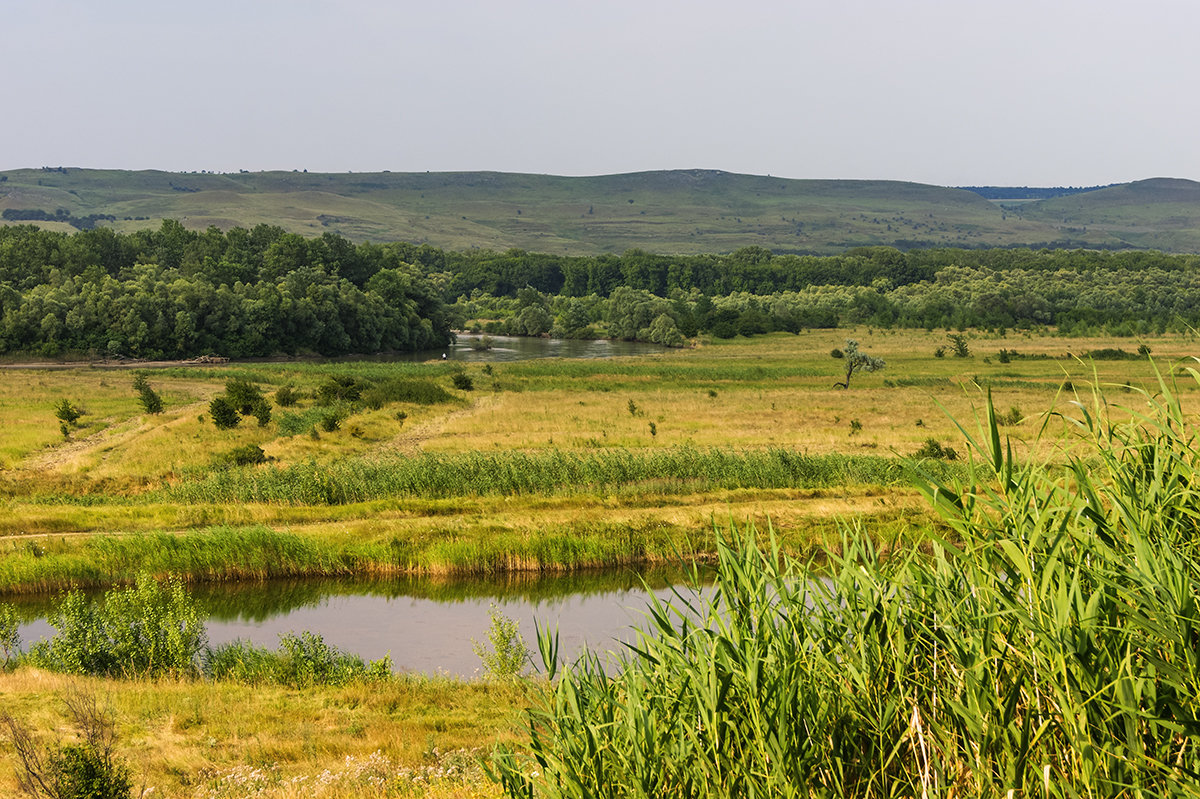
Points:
x=1047, y=647
x=437, y=475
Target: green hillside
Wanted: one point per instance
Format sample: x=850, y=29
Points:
x=1161, y=213
x=680, y=211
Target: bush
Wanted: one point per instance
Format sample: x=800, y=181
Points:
x=10, y=636
x=262, y=411
x=243, y=395
x=462, y=381
x=341, y=388
x=224, y=413
x=66, y=412
x=247, y=455
x=149, y=398
x=932, y=448
x=149, y=629
x=505, y=653
x=331, y=422
x=286, y=396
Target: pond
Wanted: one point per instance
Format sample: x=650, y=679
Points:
x=426, y=625
x=470, y=348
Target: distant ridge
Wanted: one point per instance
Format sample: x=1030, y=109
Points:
x=1029, y=192
x=670, y=211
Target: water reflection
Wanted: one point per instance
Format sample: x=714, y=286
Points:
x=469, y=348
x=426, y=625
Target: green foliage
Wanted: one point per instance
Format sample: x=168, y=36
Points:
x=245, y=455
x=1045, y=646
x=932, y=448
x=10, y=636
x=243, y=395
x=149, y=629
x=504, y=654
x=261, y=411
x=79, y=771
x=958, y=343
x=1113, y=354
x=857, y=361
x=287, y=396
x=462, y=381
x=341, y=388
x=224, y=413
x=151, y=402
x=331, y=421
x=302, y=661
x=67, y=413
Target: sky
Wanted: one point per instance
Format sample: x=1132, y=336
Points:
x=947, y=92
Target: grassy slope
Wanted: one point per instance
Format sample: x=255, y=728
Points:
x=1161, y=213
x=684, y=211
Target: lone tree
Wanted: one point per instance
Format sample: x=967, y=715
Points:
x=858, y=362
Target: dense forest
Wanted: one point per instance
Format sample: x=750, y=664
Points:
x=171, y=292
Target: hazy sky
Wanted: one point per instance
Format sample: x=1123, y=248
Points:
x=953, y=92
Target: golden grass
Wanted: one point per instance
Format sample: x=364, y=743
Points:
x=182, y=737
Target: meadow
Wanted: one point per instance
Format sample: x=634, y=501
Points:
x=533, y=467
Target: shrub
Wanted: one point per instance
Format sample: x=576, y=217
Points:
x=505, y=653
x=262, y=411
x=244, y=456
x=243, y=395
x=958, y=343
x=932, y=448
x=10, y=636
x=462, y=381
x=341, y=388
x=224, y=413
x=66, y=412
x=149, y=398
x=331, y=422
x=149, y=629
x=286, y=396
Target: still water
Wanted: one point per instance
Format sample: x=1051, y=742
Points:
x=469, y=348
x=425, y=625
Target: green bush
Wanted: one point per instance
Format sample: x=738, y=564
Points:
x=246, y=455
x=81, y=771
x=149, y=398
x=462, y=381
x=243, y=395
x=66, y=412
x=504, y=654
x=10, y=636
x=301, y=661
x=224, y=413
x=286, y=397
x=149, y=629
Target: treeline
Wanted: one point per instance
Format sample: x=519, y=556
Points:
x=87, y=222
x=172, y=292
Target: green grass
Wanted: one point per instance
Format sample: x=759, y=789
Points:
x=550, y=473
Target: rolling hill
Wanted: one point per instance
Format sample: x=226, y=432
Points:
x=677, y=211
